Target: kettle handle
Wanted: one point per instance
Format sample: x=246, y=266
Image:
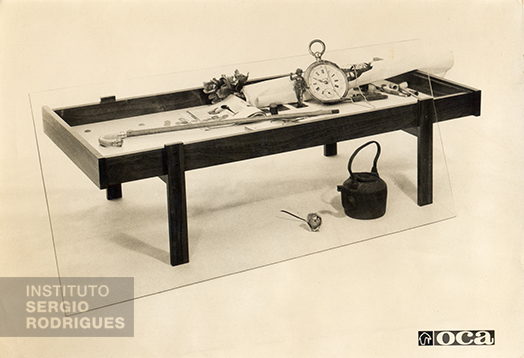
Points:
x=374, y=169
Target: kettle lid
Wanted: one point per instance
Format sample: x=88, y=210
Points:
x=365, y=177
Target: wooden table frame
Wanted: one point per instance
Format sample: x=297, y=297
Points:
x=450, y=100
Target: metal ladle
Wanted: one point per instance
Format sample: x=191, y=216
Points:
x=313, y=220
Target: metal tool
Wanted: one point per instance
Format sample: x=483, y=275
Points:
x=117, y=140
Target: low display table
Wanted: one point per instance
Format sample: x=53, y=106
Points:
x=75, y=130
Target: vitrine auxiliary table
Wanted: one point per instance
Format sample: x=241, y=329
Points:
x=169, y=155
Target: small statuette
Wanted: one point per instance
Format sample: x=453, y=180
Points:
x=219, y=89
x=355, y=71
x=299, y=86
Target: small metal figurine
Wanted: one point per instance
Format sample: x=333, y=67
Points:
x=355, y=71
x=220, y=89
x=299, y=85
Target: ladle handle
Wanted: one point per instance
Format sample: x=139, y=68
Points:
x=298, y=217
x=374, y=169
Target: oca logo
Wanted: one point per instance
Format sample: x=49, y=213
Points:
x=456, y=338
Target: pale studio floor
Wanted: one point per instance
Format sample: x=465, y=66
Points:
x=260, y=284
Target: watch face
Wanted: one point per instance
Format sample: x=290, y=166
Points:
x=326, y=81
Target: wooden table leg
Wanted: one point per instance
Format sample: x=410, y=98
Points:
x=176, y=202
x=114, y=192
x=330, y=149
x=425, y=153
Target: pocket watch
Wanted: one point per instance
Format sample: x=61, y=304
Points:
x=325, y=81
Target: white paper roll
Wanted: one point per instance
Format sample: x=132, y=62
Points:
x=264, y=93
x=433, y=61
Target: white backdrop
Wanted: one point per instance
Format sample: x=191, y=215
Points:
x=361, y=301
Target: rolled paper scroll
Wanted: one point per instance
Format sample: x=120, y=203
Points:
x=433, y=61
x=278, y=91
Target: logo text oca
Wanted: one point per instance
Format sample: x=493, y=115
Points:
x=464, y=338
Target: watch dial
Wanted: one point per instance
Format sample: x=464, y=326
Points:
x=327, y=82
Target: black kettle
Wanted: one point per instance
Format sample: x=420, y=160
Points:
x=364, y=195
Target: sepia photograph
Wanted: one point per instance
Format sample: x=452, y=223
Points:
x=240, y=178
